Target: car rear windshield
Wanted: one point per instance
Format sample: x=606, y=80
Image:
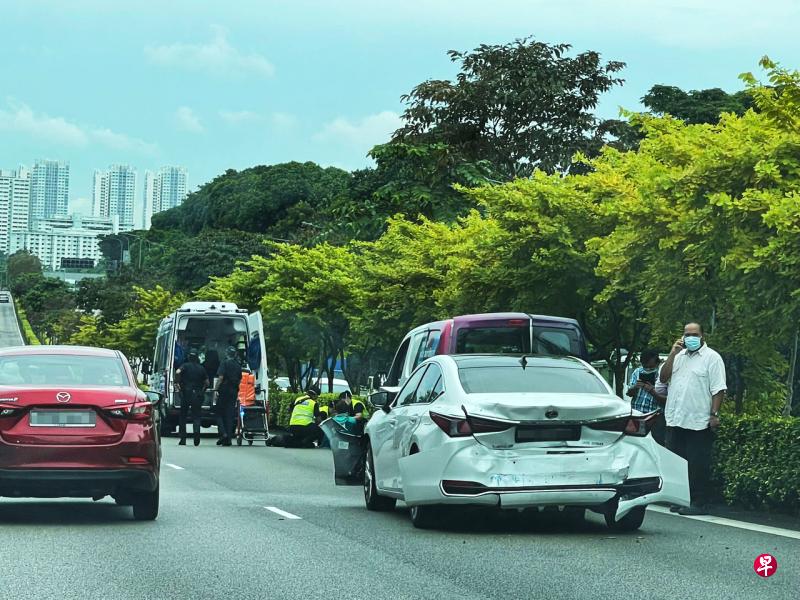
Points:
x=536, y=380
x=507, y=339
x=62, y=370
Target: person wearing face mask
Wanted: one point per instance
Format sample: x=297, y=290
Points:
x=643, y=393
x=696, y=377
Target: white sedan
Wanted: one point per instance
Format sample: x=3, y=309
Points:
x=516, y=432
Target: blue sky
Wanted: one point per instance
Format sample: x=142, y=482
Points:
x=217, y=85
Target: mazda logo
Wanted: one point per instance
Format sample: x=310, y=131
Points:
x=551, y=413
x=63, y=397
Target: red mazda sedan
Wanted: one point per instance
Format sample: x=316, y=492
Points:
x=73, y=423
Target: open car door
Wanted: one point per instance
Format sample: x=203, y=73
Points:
x=257, y=356
x=349, y=451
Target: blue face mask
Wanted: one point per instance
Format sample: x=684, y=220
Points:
x=692, y=342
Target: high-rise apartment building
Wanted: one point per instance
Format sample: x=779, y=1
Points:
x=114, y=193
x=164, y=190
x=15, y=189
x=49, y=189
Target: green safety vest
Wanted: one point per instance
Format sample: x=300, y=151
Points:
x=365, y=412
x=303, y=411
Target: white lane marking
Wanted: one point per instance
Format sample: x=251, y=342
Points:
x=176, y=467
x=732, y=523
x=283, y=513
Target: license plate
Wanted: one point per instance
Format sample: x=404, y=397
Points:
x=63, y=418
x=548, y=434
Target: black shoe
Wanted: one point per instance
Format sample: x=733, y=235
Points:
x=196, y=441
x=219, y=442
x=182, y=442
x=227, y=443
x=693, y=510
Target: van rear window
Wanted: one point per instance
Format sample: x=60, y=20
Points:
x=493, y=340
x=516, y=340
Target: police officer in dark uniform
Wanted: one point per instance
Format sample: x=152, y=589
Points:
x=230, y=375
x=193, y=382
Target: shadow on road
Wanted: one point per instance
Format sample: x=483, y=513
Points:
x=72, y=512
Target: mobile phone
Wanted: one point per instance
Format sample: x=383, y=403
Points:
x=648, y=378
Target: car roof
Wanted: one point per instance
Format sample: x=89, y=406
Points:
x=500, y=316
x=63, y=350
x=513, y=360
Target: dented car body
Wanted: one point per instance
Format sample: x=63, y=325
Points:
x=518, y=432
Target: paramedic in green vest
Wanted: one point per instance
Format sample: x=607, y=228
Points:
x=356, y=408
x=304, y=421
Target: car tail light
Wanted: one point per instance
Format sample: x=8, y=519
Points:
x=142, y=411
x=452, y=426
x=635, y=426
x=481, y=425
x=137, y=460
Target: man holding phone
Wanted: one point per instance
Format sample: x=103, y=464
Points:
x=696, y=377
x=643, y=393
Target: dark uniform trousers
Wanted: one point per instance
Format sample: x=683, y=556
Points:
x=226, y=413
x=191, y=399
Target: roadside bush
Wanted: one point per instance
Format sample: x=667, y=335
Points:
x=280, y=405
x=25, y=327
x=757, y=462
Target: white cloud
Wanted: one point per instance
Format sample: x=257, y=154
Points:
x=363, y=133
x=283, y=120
x=239, y=116
x=187, y=120
x=216, y=56
x=120, y=141
x=21, y=118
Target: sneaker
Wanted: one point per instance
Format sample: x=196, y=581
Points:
x=226, y=443
x=219, y=442
x=196, y=441
x=182, y=443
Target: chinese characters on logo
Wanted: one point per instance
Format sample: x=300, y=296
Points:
x=765, y=565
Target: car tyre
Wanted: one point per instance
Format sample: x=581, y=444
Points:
x=630, y=522
x=145, y=505
x=372, y=499
x=425, y=516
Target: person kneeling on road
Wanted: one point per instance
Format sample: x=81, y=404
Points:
x=352, y=425
x=304, y=422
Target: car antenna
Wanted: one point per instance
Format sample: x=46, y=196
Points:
x=523, y=361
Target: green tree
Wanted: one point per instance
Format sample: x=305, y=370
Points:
x=519, y=106
x=696, y=106
x=21, y=263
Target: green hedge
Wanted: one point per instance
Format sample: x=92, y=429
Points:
x=280, y=405
x=28, y=336
x=757, y=462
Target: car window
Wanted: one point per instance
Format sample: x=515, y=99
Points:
x=515, y=379
x=429, y=386
x=63, y=370
x=406, y=395
x=414, y=351
x=491, y=340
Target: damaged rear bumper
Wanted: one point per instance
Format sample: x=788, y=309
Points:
x=626, y=474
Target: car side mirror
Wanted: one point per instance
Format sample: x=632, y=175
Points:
x=153, y=397
x=382, y=399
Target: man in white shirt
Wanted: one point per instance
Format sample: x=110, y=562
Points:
x=696, y=377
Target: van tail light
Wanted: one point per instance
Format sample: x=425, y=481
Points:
x=452, y=426
x=635, y=426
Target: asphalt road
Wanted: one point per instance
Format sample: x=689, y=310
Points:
x=9, y=331
x=215, y=539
